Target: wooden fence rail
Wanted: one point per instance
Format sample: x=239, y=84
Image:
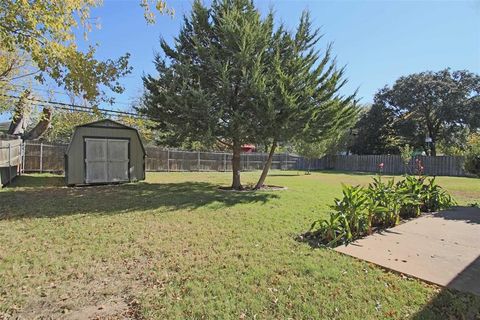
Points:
x=39, y=157
x=392, y=164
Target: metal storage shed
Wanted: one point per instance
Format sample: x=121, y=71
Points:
x=103, y=152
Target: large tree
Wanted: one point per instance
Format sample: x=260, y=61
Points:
x=44, y=33
x=39, y=43
x=232, y=78
x=304, y=103
x=375, y=132
x=212, y=84
x=432, y=104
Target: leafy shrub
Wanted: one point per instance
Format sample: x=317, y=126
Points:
x=380, y=205
x=383, y=196
x=472, y=155
x=352, y=205
x=411, y=188
x=434, y=198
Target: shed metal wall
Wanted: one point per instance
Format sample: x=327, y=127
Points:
x=75, y=156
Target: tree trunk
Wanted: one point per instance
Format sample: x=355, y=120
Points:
x=266, y=167
x=236, y=183
x=20, y=115
x=433, y=149
x=309, y=165
x=18, y=125
x=41, y=127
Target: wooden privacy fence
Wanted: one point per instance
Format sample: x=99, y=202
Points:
x=392, y=164
x=44, y=157
x=40, y=157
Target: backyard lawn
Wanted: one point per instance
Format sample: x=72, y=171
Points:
x=175, y=246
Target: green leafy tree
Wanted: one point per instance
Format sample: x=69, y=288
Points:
x=472, y=155
x=143, y=126
x=406, y=153
x=64, y=122
x=304, y=101
x=44, y=33
x=232, y=78
x=432, y=104
x=211, y=85
x=375, y=133
x=311, y=150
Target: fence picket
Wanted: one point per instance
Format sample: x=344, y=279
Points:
x=50, y=158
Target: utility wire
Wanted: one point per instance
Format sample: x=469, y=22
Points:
x=55, y=91
x=74, y=107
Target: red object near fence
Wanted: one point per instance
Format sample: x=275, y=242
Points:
x=248, y=148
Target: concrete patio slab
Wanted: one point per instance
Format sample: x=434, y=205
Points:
x=441, y=248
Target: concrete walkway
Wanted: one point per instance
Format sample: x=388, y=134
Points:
x=442, y=248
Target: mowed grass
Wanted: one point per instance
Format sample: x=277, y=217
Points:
x=175, y=246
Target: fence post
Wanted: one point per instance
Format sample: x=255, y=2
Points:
x=198, y=160
x=41, y=157
x=247, y=165
x=23, y=157
x=9, y=162
x=168, y=160
x=224, y=162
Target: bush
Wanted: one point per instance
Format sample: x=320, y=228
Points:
x=472, y=155
x=380, y=205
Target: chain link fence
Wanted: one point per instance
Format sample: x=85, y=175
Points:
x=44, y=157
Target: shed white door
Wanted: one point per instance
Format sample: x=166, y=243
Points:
x=106, y=160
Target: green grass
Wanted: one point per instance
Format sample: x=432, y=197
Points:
x=175, y=246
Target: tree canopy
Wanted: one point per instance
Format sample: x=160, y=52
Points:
x=39, y=39
x=443, y=106
x=39, y=43
x=232, y=77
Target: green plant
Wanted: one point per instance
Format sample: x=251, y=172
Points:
x=333, y=231
x=472, y=156
x=435, y=198
x=348, y=221
x=410, y=189
x=353, y=205
x=406, y=152
x=383, y=194
x=381, y=205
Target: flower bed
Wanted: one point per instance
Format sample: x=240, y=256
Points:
x=381, y=205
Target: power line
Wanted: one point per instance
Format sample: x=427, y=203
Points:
x=69, y=107
x=57, y=92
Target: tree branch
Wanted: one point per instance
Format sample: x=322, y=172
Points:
x=224, y=143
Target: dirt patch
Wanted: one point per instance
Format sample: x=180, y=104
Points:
x=111, y=309
x=97, y=293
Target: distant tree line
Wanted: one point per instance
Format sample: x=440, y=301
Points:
x=430, y=111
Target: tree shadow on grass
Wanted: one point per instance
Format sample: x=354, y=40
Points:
x=289, y=174
x=450, y=303
x=467, y=214
x=40, y=198
x=36, y=181
x=353, y=173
